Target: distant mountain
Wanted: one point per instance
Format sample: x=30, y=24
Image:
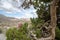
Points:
x=7, y=19
x=10, y=21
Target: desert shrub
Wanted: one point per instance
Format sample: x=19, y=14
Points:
x=57, y=33
x=18, y=34
x=0, y=30
x=36, y=24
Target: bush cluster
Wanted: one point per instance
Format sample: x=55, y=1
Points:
x=18, y=34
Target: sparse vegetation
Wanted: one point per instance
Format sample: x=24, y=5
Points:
x=18, y=34
x=1, y=30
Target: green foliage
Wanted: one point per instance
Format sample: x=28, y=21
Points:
x=0, y=30
x=43, y=12
x=43, y=16
x=36, y=21
x=43, y=9
x=38, y=33
x=57, y=33
x=18, y=34
x=46, y=1
x=36, y=24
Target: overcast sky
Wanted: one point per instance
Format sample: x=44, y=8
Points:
x=10, y=8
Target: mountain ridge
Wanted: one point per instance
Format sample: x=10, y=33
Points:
x=11, y=21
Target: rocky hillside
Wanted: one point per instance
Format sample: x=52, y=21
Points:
x=10, y=21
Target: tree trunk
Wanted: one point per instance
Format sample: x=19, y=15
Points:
x=53, y=18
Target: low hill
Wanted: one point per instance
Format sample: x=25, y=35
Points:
x=10, y=21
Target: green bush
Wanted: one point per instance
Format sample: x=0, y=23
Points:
x=36, y=24
x=18, y=34
x=57, y=34
x=38, y=33
x=0, y=30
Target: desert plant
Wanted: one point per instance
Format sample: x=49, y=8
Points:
x=18, y=34
x=0, y=30
x=57, y=33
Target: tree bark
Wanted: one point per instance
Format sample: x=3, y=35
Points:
x=53, y=18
